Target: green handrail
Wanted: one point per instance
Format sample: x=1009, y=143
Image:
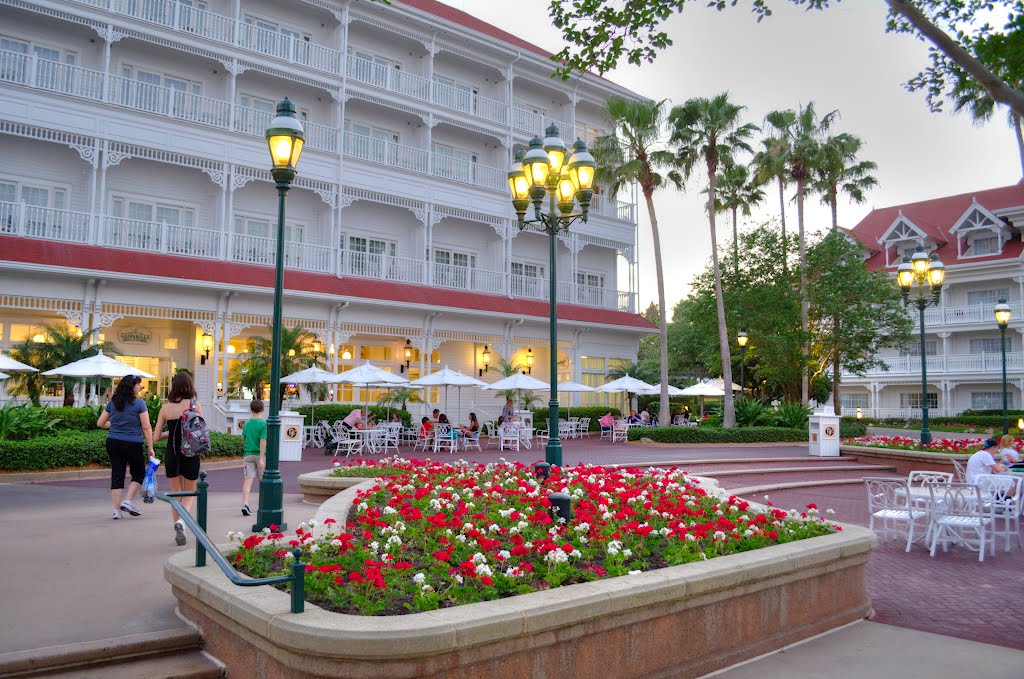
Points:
x=203, y=545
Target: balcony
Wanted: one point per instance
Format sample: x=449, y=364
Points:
x=963, y=315
x=255, y=122
x=953, y=364
x=167, y=101
x=19, y=219
x=467, y=172
x=172, y=239
x=387, y=153
x=387, y=77
x=464, y=101
x=615, y=209
x=259, y=250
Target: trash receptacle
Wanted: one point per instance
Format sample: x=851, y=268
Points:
x=824, y=433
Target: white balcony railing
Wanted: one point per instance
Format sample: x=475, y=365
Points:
x=468, y=172
x=380, y=266
x=954, y=315
x=949, y=364
x=173, y=14
x=19, y=219
x=288, y=48
x=133, y=234
x=468, y=278
x=467, y=102
x=616, y=209
x=527, y=121
x=302, y=256
x=387, y=77
x=255, y=122
x=167, y=101
x=386, y=152
x=30, y=70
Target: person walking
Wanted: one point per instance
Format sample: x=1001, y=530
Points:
x=182, y=472
x=127, y=420
x=254, y=452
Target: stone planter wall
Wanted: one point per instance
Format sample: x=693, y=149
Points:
x=905, y=461
x=682, y=621
x=319, y=487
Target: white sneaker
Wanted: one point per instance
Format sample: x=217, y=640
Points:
x=179, y=533
x=127, y=506
x=117, y=514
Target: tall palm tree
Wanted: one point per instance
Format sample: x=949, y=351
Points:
x=969, y=96
x=298, y=352
x=635, y=152
x=711, y=130
x=772, y=162
x=738, y=191
x=839, y=171
x=805, y=136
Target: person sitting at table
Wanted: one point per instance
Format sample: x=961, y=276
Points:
x=1008, y=454
x=686, y=416
x=653, y=421
x=645, y=416
x=983, y=462
x=470, y=430
x=633, y=418
x=453, y=433
x=395, y=419
x=354, y=420
x=435, y=416
x=426, y=427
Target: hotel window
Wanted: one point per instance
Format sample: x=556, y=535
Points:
x=375, y=353
x=454, y=94
x=913, y=400
x=366, y=256
x=990, y=400
x=260, y=228
x=149, y=90
x=269, y=37
x=988, y=245
x=990, y=345
x=931, y=348
x=49, y=74
x=452, y=269
x=590, y=288
x=853, y=401
x=527, y=280
x=453, y=163
x=987, y=297
x=371, y=143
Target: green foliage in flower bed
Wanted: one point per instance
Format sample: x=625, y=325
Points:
x=80, y=448
x=339, y=411
x=20, y=422
x=850, y=427
x=364, y=470
x=447, y=534
x=76, y=419
x=595, y=413
x=716, y=435
x=1012, y=414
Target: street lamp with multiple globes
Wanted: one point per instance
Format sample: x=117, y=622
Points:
x=742, y=339
x=285, y=138
x=1002, y=312
x=922, y=270
x=543, y=171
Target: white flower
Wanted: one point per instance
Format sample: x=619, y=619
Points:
x=363, y=506
x=458, y=579
x=748, y=533
x=289, y=555
x=504, y=554
x=231, y=535
x=460, y=537
x=375, y=546
x=313, y=549
x=691, y=537
x=427, y=588
x=483, y=569
x=265, y=531
x=627, y=553
x=830, y=511
x=394, y=540
x=479, y=558
x=419, y=578
x=312, y=524
x=335, y=542
x=303, y=527
x=634, y=572
x=703, y=556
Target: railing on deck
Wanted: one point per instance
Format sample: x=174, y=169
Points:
x=205, y=546
x=20, y=219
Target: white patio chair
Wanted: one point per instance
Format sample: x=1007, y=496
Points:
x=920, y=479
x=508, y=437
x=958, y=510
x=490, y=430
x=425, y=443
x=1002, y=494
x=960, y=472
x=348, y=445
x=566, y=430
x=472, y=441
x=620, y=431
x=584, y=426
x=389, y=440
x=606, y=432
x=889, y=502
x=542, y=436
x=445, y=439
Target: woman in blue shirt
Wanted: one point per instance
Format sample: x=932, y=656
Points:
x=127, y=420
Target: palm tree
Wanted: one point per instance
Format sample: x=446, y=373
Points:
x=298, y=352
x=968, y=95
x=711, y=130
x=772, y=162
x=737, y=191
x=61, y=344
x=805, y=136
x=635, y=152
x=839, y=171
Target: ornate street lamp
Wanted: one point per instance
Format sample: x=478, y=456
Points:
x=285, y=138
x=207, y=344
x=487, y=361
x=742, y=339
x=543, y=171
x=529, y=360
x=1002, y=312
x=922, y=270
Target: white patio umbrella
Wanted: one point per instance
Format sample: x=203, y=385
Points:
x=625, y=383
x=656, y=390
x=10, y=365
x=710, y=388
x=311, y=375
x=369, y=375
x=446, y=377
x=519, y=382
x=96, y=366
x=572, y=388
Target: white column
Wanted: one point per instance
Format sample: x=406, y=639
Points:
x=101, y=196
x=94, y=220
x=105, y=88
x=229, y=213
x=232, y=68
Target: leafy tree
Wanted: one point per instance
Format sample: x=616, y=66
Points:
x=855, y=312
x=62, y=344
x=634, y=152
x=399, y=398
x=838, y=170
x=737, y=192
x=600, y=33
x=710, y=131
x=298, y=352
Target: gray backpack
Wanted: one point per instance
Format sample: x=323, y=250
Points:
x=195, y=435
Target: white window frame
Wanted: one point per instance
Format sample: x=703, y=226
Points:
x=990, y=400
x=986, y=237
x=155, y=203
x=931, y=348
x=913, y=400
x=990, y=296
x=989, y=345
x=290, y=227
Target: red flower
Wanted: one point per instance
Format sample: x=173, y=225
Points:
x=355, y=577
x=442, y=556
x=326, y=521
x=273, y=527
x=568, y=548
x=812, y=506
x=486, y=581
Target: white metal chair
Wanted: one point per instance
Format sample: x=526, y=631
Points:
x=606, y=432
x=889, y=502
x=445, y=439
x=961, y=473
x=920, y=479
x=508, y=437
x=1002, y=494
x=424, y=443
x=566, y=430
x=584, y=426
x=472, y=441
x=958, y=509
x=620, y=431
x=348, y=445
x=389, y=440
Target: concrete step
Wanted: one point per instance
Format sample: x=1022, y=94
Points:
x=153, y=655
x=752, y=481
x=790, y=460
x=846, y=468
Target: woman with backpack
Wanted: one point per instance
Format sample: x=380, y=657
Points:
x=182, y=469
x=127, y=420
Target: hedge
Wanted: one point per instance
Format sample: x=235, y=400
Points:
x=714, y=435
x=540, y=415
x=851, y=427
x=74, y=419
x=1013, y=414
x=80, y=448
x=333, y=412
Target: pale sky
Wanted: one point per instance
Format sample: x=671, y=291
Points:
x=841, y=59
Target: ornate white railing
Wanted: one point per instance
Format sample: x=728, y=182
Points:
x=947, y=364
x=301, y=256
x=19, y=219
x=256, y=122
x=468, y=278
x=386, y=152
x=173, y=14
x=467, y=102
x=288, y=48
x=167, y=101
x=469, y=172
x=387, y=77
x=379, y=266
x=527, y=121
x=609, y=207
x=953, y=315
x=187, y=241
x=52, y=76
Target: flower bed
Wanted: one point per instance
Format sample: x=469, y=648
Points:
x=947, y=446
x=445, y=534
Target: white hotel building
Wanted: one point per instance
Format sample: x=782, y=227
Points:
x=135, y=196
x=978, y=238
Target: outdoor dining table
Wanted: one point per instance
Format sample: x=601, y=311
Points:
x=369, y=438
x=526, y=436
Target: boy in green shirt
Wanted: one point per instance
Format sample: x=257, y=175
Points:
x=254, y=434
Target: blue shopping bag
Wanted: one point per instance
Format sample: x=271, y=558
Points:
x=149, y=482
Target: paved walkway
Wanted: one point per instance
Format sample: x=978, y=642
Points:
x=86, y=556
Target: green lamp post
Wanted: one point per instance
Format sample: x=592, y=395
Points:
x=922, y=270
x=543, y=172
x=285, y=138
x=1002, y=312
x=742, y=339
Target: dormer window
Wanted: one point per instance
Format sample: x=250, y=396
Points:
x=902, y=238
x=983, y=245
x=979, y=232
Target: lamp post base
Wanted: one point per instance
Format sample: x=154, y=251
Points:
x=271, y=511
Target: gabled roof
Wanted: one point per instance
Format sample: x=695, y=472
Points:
x=909, y=227
x=937, y=217
x=976, y=216
x=854, y=237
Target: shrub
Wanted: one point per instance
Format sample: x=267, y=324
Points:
x=712, y=422
x=977, y=420
x=20, y=422
x=705, y=435
x=80, y=448
x=76, y=419
x=791, y=415
x=851, y=427
x=540, y=415
x=751, y=412
x=339, y=411
x=1013, y=414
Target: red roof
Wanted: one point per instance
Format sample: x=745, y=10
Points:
x=936, y=217
x=439, y=9
x=93, y=258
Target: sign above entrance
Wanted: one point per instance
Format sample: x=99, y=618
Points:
x=135, y=335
